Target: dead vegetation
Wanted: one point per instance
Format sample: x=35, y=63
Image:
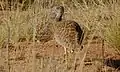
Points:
x=20, y=49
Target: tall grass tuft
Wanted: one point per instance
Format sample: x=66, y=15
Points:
x=110, y=25
x=112, y=33
x=96, y=15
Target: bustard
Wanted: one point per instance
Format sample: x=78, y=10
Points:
x=67, y=33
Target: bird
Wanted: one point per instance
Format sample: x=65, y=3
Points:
x=68, y=33
x=44, y=33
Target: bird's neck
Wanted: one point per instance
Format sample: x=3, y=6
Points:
x=58, y=18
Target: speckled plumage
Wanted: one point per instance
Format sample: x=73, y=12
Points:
x=44, y=33
x=67, y=33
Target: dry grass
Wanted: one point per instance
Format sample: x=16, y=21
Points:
x=100, y=18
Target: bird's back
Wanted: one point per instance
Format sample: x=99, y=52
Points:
x=68, y=33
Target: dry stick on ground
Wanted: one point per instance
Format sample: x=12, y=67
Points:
x=103, y=57
x=33, y=49
x=33, y=55
x=8, y=41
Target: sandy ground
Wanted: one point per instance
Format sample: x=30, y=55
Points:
x=49, y=57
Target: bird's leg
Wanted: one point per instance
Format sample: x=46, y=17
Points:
x=66, y=57
x=65, y=53
x=65, y=50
